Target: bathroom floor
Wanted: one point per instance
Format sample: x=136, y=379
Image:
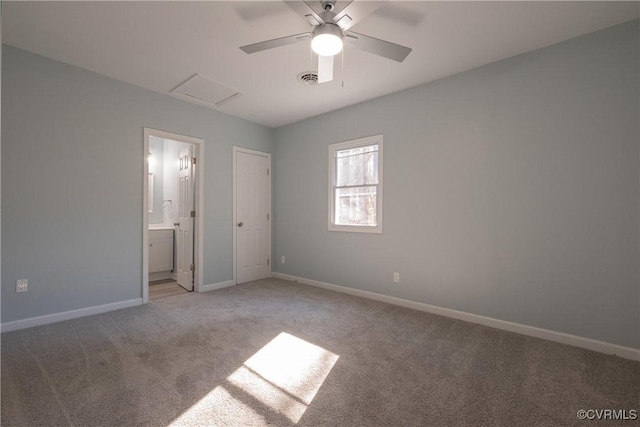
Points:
x=165, y=288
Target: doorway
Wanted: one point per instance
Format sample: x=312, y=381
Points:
x=172, y=237
x=251, y=215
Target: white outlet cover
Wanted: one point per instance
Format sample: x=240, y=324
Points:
x=22, y=285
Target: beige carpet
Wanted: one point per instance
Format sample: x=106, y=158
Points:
x=280, y=353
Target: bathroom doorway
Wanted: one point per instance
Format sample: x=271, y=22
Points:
x=172, y=214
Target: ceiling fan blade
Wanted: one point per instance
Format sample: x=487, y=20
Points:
x=354, y=12
x=325, y=69
x=378, y=47
x=306, y=12
x=270, y=44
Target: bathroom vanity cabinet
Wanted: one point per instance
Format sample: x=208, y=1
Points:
x=160, y=250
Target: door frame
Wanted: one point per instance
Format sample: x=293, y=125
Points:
x=236, y=150
x=198, y=234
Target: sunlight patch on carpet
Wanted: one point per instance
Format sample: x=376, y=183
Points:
x=219, y=407
x=283, y=377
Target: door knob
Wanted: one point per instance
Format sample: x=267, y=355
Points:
x=240, y=224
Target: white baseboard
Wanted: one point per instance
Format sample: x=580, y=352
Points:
x=161, y=275
x=66, y=315
x=532, y=331
x=214, y=286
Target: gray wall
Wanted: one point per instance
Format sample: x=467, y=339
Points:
x=0, y=148
x=72, y=159
x=511, y=191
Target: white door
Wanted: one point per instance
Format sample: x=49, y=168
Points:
x=253, y=205
x=184, y=244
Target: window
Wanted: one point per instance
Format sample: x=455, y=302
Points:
x=355, y=185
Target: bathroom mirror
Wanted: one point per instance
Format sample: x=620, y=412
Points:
x=150, y=192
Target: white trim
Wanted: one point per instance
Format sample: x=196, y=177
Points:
x=174, y=136
x=161, y=275
x=237, y=150
x=145, y=217
x=532, y=331
x=66, y=315
x=214, y=286
x=199, y=232
x=360, y=142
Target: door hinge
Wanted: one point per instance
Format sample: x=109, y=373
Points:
x=193, y=160
x=193, y=214
x=267, y=261
x=192, y=267
x=267, y=171
x=267, y=217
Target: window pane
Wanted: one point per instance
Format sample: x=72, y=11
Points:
x=356, y=206
x=357, y=166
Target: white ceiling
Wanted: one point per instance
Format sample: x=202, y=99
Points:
x=159, y=45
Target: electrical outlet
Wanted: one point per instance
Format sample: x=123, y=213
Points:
x=22, y=285
x=396, y=277
x=282, y=259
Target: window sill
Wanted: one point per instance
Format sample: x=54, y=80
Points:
x=355, y=229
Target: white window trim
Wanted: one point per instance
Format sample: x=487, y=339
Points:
x=369, y=140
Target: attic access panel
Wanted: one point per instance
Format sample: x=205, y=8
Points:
x=207, y=90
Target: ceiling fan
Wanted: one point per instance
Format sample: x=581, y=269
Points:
x=330, y=32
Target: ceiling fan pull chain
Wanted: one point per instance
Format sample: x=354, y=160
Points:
x=342, y=73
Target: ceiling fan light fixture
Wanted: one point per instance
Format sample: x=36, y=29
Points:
x=327, y=40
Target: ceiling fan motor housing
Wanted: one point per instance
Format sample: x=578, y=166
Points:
x=328, y=28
